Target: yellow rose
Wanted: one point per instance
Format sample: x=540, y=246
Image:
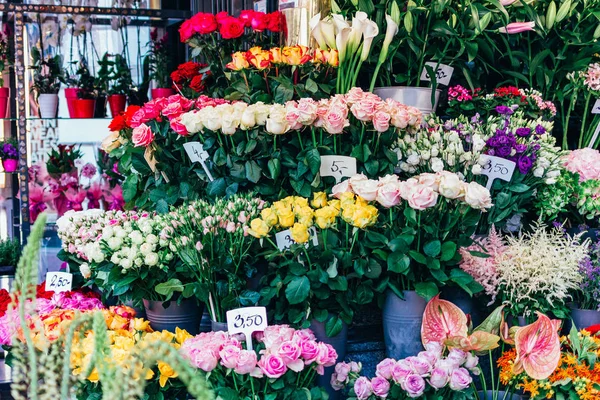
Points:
x=276, y=54
x=296, y=55
x=111, y=142
x=181, y=335
x=325, y=217
x=364, y=216
x=139, y=324
x=286, y=217
x=269, y=216
x=258, y=228
x=299, y=233
x=238, y=61
x=300, y=201
x=304, y=215
x=348, y=213
x=336, y=204
x=346, y=199
x=319, y=200
x=259, y=60
x=166, y=372
x=333, y=58
x=360, y=202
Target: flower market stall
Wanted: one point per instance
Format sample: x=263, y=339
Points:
x=347, y=200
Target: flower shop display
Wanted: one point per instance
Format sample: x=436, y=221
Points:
x=9, y=155
x=47, y=78
x=84, y=106
x=6, y=60
x=283, y=364
x=158, y=62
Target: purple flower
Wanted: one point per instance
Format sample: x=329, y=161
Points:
x=540, y=130
x=88, y=170
x=520, y=148
x=504, y=151
x=504, y=110
x=492, y=142
x=524, y=163
x=523, y=132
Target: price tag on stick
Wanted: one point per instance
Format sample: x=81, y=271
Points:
x=338, y=167
x=59, y=282
x=247, y=320
x=196, y=153
x=443, y=73
x=498, y=168
x=284, y=238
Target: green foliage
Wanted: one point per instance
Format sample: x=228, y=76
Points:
x=47, y=73
x=10, y=252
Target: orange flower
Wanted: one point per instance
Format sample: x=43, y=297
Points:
x=238, y=61
x=258, y=58
x=296, y=55
x=276, y=55
x=326, y=57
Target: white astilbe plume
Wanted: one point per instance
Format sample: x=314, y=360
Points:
x=538, y=270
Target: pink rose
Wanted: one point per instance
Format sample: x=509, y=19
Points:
x=435, y=348
x=138, y=118
x=380, y=386
x=292, y=117
x=290, y=354
x=458, y=356
x=381, y=121
x=272, y=366
x=322, y=110
x=336, y=382
x=431, y=180
x=205, y=360
x=439, y=378
x=178, y=127
x=363, y=388
x=275, y=335
x=471, y=363
x=413, y=385
x=335, y=121
x=342, y=187
x=355, y=95
x=419, y=366
x=342, y=370
x=327, y=355
x=422, y=197
x=400, y=371
x=309, y=351
x=585, y=162
x=304, y=334
x=229, y=356
x=172, y=110
x=384, y=368
x=365, y=109
x=388, y=195
x=364, y=187
x=430, y=356
x=246, y=362
x=307, y=111
x=142, y=136
x=460, y=379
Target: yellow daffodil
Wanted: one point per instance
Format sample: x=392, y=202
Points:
x=258, y=228
x=166, y=372
x=299, y=233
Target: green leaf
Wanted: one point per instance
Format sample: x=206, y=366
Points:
x=274, y=166
x=313, y=160
x=333, y=326
x=448, y=251
x=433, y=248
x=252, y=171
x=216, y=188
x=220, y=157
x=130, y=187
x=297, y=290
x=162, y=207
x=311, y=86
x=398, y=262
x=427, y=290
x=519, y=188
x=418, y=257
x=168, y=288
x=502, y=200
x=139, y=163
x=283, y=94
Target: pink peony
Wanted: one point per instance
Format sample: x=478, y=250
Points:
x=585, y=162
x=272, y=366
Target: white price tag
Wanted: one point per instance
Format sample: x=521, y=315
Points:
x=284, y=238
x=287, y=4
x=338, y=167
x=247, y=320
x=596, y=108
x=498, y=168
x=58, y=282
x=443, y=73
x=196, y=153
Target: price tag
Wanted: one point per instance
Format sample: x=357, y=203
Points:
x=594, y=137
x=247, y=320
x=596, y=108
x=498, y=168
x=443, y=73
x=149, y=157
x=58, y=282
x=287, y=4
x=338, y=167
x=196, y=153
x=284, y=238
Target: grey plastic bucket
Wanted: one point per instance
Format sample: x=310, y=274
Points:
x=402, y=324
x=186, y=315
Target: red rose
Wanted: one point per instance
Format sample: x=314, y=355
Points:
x=176, y=77
x=197, y=84
x=246, y=16
x=275, y=21
x=129, y=114
x=188, y=69
x=259, y=21
x=186, y=30
x=231, y=28
x=118, y=123
x=221, y=16
x=204, y=23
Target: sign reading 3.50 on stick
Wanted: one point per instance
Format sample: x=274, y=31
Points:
x=247, y=320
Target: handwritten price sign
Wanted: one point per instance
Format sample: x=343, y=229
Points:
x=59, y=281
x=338, y=167
x=196, y=153
x=498, y=168
x=247, y=320
x=284, y=238
x=443, y=73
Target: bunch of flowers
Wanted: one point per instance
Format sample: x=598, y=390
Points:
x=190, y=78
x=528, y=283
x=260, y=59
x=589, y=288
x=283, y=364
x=448, y=376
x=430, y=217
x=8, y=150
x=325, y=276
x=213, y=242
x=582, y=83
x=6, y=55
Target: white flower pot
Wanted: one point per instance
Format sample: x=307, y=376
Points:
x=48, y=105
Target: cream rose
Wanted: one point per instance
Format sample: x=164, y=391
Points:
x=192, y=121
x=451, y=187
x=388, y=195
x=277, y=123
x=477, y=196
x=422, y=197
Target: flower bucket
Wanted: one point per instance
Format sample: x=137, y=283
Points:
x=402, y=324
x=10, y=165
x=462, y=300
x=48, y=103
x=84, y=108
x=4, y=96
x=218, y=326
x=186, y=315
x=502, y=395
x=117, y=102
x=411, y=96
x=71, y=95
x=339, y=343
x=585, y=318
x=161, y=92
x=100, y=108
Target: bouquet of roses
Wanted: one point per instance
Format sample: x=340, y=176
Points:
x=326, y=274
x=213, y=243
x=190, y=79
x=282, y=365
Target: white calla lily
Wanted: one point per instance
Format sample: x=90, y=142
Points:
x=371, y=30
x=341, y=41
x=315, y=30
x=328, y=32
x=340, y=23
x=390, y=31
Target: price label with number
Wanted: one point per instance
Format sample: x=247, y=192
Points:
x=59, y=282
x=498, y=168
x=443, y=73
x=338, y=167
x=284, y=238
x=247, y=320
x=196, y=153
x=596, y=108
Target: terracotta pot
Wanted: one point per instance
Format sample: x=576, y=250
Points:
x=4, y=96
x=117, y=102
x=70, y=95
x=161, y=92
x=10, y=165
x=48, y=103
x=84, y=108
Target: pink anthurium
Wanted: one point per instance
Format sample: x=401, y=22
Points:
x=478, y=341
x=517, y=27
x=442, y=320
x=538, y=348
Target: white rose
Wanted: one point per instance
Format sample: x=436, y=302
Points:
x=277, y=123
x=437, y=164
x=430, y=180
x=211, y=119
x=404, y=166
x=435, y=151
x=136, y=237
x=538, y=172
x=451, y=187
x=366, y=189
x=340, y=188
x=261, y=113
x=85, y=270
x=146, y=227
x=120, y=232
x=126, y=263
x=477, y=196
x=248, y=120
x=230, y=122
x=192, y=121
x=151, y=259
x=107, y=232
x=476, y=170
x=146, y=248
x=115, y=259
x=413, y=159
x=152, y=239
x=114, y=243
